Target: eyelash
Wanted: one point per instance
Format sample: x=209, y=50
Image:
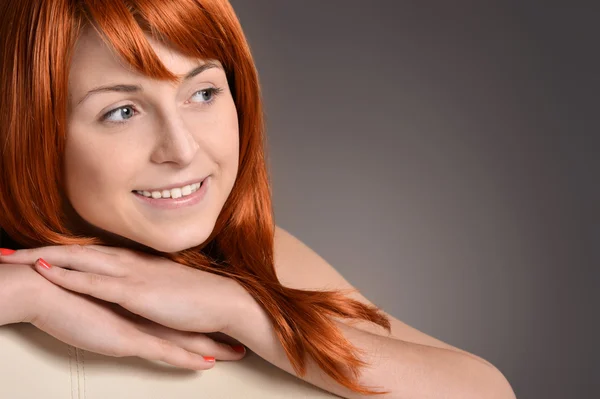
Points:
x=214, y=91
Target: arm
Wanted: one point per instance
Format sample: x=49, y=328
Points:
x=298, y=266
x=407, y=370
x=407, y=359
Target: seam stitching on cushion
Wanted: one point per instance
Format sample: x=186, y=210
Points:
x=78, y=378
x=70, y=369
x=83, y=364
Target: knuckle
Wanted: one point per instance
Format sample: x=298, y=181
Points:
x=96, y=279
x=127, y=256
x=32, y=253
x=163, y=346
x=63, y=273
x=76, y=249
x=29, y=252
x=123, y=256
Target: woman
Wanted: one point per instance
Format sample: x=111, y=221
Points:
x=145, y=202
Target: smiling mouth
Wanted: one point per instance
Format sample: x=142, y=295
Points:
x=173, y=193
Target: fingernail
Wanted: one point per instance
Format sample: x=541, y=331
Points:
x=6, y=251
x=43, y=263
x=209, y=358
x=238, y=348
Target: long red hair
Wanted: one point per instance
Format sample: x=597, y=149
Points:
x=38, y=38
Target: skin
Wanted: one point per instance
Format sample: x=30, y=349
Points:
x=170, y=133
x=397, y=363
x=159, y=147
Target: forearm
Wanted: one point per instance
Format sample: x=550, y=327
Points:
x=405, y=369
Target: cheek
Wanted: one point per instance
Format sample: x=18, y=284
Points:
x=229, y=149
x=94, y=173
x=229, y=142
x=219, y=137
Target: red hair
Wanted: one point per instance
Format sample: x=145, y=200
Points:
x=38, y=38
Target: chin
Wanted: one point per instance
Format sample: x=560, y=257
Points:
x=171, y=243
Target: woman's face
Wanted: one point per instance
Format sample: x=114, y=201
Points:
x=128, y=133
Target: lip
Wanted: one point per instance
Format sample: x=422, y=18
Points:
x=176, y=185
x=170, y=203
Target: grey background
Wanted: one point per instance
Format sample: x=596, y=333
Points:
x=442, y=156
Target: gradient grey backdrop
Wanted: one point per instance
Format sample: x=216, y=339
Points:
x=442, y=156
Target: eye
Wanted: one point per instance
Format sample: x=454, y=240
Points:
x=206, y=96
x=119, y=115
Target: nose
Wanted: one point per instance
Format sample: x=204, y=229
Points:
x=175, y=143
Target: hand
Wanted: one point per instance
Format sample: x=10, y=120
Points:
x=155, y=288
x=102, y=327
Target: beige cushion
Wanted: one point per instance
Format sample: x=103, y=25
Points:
x=34, y=364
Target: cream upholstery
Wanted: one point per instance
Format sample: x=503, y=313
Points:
x=35, y=365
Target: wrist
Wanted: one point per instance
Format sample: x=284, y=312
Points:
x=33, y=292
x=247, y=318
x=21, y=285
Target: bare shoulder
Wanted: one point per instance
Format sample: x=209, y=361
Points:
x=300, y=267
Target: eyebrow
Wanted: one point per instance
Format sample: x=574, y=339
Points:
x=123, y=88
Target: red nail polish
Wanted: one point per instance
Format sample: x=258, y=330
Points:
x=238, y=348
x=6, y=251
x=44, y=264
x=209, y=358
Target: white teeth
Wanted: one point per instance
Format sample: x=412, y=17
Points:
x=173, y=193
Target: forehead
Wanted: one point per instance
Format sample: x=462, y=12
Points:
x=94, y=60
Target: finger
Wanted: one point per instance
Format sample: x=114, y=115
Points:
x=100, y=286
x=199, y=343
x=106, y=249
x=75, y=257
x=123, y=253
x=154, y=348
x=194, y=342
